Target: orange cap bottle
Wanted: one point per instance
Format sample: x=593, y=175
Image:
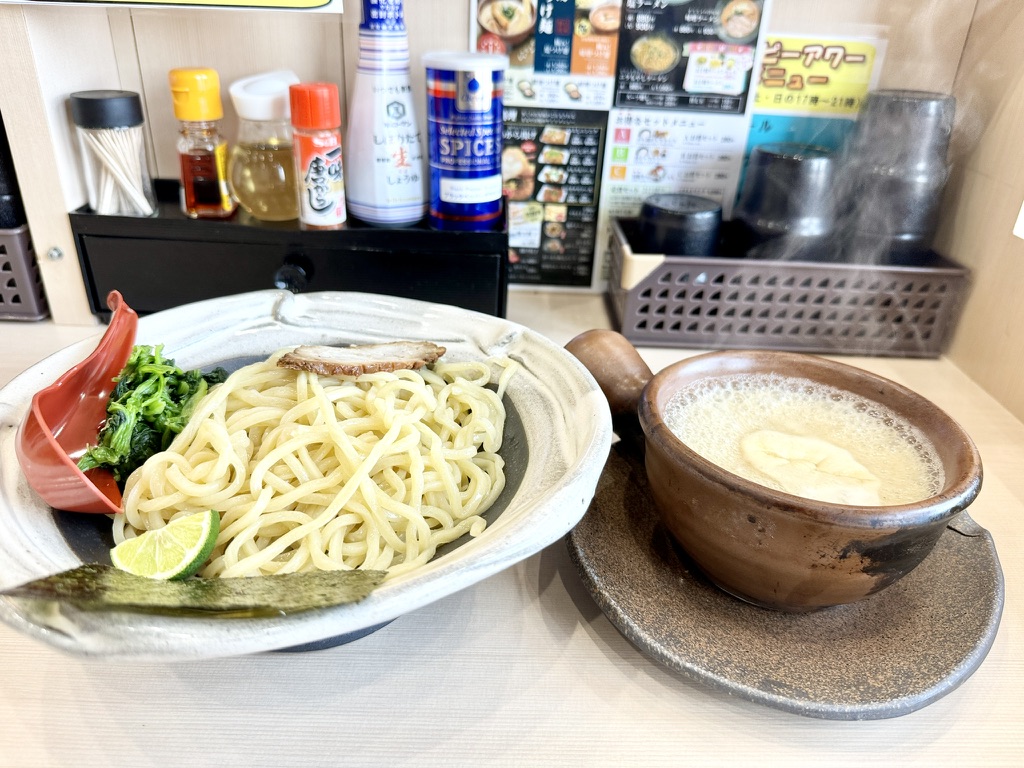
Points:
x=315, y=106
x=316, y=123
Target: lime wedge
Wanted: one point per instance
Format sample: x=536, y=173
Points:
x=175, y=551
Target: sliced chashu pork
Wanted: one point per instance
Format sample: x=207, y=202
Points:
x=362, y=358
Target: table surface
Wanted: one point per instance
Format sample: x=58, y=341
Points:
x=521, y=669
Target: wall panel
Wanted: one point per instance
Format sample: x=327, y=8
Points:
x=925, y=37
x=236, y=44
x=984, y=198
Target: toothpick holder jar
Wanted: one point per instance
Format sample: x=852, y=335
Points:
x=109, y=126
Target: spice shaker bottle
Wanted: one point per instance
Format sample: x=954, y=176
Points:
x=316, y=120
x=464, y=125
x=383, y=147
x=261, y=166
x=109, y=127
x=202, y=149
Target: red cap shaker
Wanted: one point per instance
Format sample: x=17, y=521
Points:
x=315, y=106
x=316, y=120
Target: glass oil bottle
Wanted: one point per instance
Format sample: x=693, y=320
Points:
x=261, y=166
x=202, y=149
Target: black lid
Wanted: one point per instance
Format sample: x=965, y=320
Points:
x=898, y=127
x=106, y=109
x=913, y=103
x=691, y=211
x=791, y=150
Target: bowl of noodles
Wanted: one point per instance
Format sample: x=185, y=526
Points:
x=544, y=432
x=656, y=54
x=737, y=21
x=511, y=20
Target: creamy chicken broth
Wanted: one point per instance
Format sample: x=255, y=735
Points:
x=805, y=438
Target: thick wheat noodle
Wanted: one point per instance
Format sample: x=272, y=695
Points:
x=331, y=472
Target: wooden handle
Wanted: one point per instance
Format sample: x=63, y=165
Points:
x=614, y=362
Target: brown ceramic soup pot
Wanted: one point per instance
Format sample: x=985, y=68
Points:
x=765, y=546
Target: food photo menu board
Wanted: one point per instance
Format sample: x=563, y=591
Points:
x=550, y=170
x=658, y=151
x=695, y=54
x=562, y=53
x=658, y=91
x=684, y=98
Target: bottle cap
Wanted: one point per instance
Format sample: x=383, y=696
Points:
x=196, y=94
x=106, y=109
x=263, y=97
x=315, y=106
x=383, y=16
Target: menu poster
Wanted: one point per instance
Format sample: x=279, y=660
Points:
x=651, y=151
x=811, y=89
x=562, y=53
x=817, y=76
x=550, y=167
x=777, y=128
x=687, y=54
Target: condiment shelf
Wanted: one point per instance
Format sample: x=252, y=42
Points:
x=169, y=259
x=726, y=302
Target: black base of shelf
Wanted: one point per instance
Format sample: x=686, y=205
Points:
x=169, y=259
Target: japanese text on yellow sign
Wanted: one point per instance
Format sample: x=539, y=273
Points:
x=811, y=75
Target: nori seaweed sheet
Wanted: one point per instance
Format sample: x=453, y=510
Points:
x=97, y=587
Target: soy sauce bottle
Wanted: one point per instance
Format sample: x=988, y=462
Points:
x=384, y=150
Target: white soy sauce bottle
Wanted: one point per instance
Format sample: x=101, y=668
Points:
x=386, y=184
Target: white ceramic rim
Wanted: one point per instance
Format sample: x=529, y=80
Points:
x=565, y=417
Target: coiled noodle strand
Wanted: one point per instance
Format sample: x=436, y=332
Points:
x=331, y=472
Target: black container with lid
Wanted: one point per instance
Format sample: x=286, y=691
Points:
x=106, y=109
x=895, y=172
x=680, y=225
x=786, y=208
x=110, y=129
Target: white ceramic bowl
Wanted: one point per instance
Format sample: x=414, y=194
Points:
x=557, y=440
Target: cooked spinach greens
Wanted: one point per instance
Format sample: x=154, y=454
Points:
x=151, y=403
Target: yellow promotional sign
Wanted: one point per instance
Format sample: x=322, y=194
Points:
x=816, y=75
x=325, y=6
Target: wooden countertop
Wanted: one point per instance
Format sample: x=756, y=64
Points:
x=521, y=669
